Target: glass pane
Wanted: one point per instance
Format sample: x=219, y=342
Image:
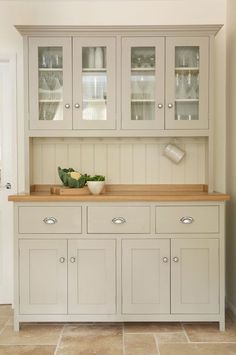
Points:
x=187, y=83
x=50, y=79
x=143, y=61
x=94, y=83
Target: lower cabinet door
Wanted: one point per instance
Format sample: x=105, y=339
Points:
x=195, y=276
x=146, y=276
x=43, y=276
x=92, y=277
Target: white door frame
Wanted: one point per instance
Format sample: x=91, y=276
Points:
x=6, y=252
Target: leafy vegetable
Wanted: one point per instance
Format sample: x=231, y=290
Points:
x=96, y=178
x=72, y=180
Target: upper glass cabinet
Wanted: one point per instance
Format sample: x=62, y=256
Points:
x=94, y=80
x=50, y=84
x=143, y=83
x=186, y=83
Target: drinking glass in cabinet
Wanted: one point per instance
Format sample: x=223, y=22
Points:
x=94, y=58
x=187, y=57
x=50, y=57
x=50, y=81
x=186, y=110
x=143, y=57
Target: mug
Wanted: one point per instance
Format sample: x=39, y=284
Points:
x=174, y=153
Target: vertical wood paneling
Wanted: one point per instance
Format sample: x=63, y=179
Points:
x=48, y=164
x=74, y=156
x=126, y=166
x=139, y=163
x=37, y=163
x=100, y=159
x=122, y=161
x=191, y=163
x=165, y=168
x=153, y=164
x=61, y=159
x=113, y=163
x=87, y=158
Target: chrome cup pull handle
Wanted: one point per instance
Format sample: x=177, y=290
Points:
x=118, y=220
x=62, y=259
x=72, y=259
x=50, y=220
x=186, y=220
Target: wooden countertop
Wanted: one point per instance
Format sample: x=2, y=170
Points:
x=119, y=193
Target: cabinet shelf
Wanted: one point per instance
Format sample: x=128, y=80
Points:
x=50, y=101
x=99, y=70
x=142, y=100
x=187, y=69
x=186, y=100
x=96, y=101
x=50, y=69
x=143, y=69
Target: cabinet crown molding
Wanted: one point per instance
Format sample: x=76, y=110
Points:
x=167, y=30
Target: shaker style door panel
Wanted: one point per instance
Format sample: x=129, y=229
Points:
x=43, y=276
x=143, y=83
x=187, y=83
x=94, y=83
x=146, y=276
x=50, y=83
x=92, y=277
x=195, y=276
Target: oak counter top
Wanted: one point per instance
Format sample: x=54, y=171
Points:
x=119, y=193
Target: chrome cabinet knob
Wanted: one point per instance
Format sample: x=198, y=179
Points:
x=67, y=106
x=176, y=259
x=170, y=105
x=72, y=259
x=160, y=105
x=77, y=105
x=50, y=220
x=62, y=260
x=186, y=220
x=165, y=259
x=118, y=220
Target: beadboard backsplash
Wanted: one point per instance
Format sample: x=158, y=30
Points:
x=121, y=160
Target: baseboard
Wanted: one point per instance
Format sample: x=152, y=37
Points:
x=232, y=309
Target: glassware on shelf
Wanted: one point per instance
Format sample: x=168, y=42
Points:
x=91, y=57
x=98, y=57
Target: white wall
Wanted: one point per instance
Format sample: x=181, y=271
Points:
x=110, y=12
x=231, y=154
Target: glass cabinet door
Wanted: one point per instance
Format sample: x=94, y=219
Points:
x=142, y=83
x=50, y=86
x=187, y=83
x=94, y=68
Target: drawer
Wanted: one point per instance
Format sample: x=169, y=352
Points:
x=49, y=219
x=120, y=219
x=187, y=219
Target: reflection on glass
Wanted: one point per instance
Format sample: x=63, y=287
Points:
x=187, y=61
x=94, y=83
x=50, y=81
x=143, y=61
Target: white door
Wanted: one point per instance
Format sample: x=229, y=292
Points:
x=91, y=277
x=146, y=276
x=195, y=276
x=43, y=276
x=8, y=173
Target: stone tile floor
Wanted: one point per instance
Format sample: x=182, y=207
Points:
x=115, y=338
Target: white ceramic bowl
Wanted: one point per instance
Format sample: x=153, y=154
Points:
x=95, y=187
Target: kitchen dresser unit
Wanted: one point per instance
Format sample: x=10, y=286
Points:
x=157, y=256
x=151, y=248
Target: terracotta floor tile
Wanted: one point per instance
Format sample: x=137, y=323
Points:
x=209, y=332
x=140, y=344
x=91, y=345
x=6, y=310
x=31, y=335
x=95, y=329
x=165, y=337
x=151, y=327
x=197, y=349
x=26, y=350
